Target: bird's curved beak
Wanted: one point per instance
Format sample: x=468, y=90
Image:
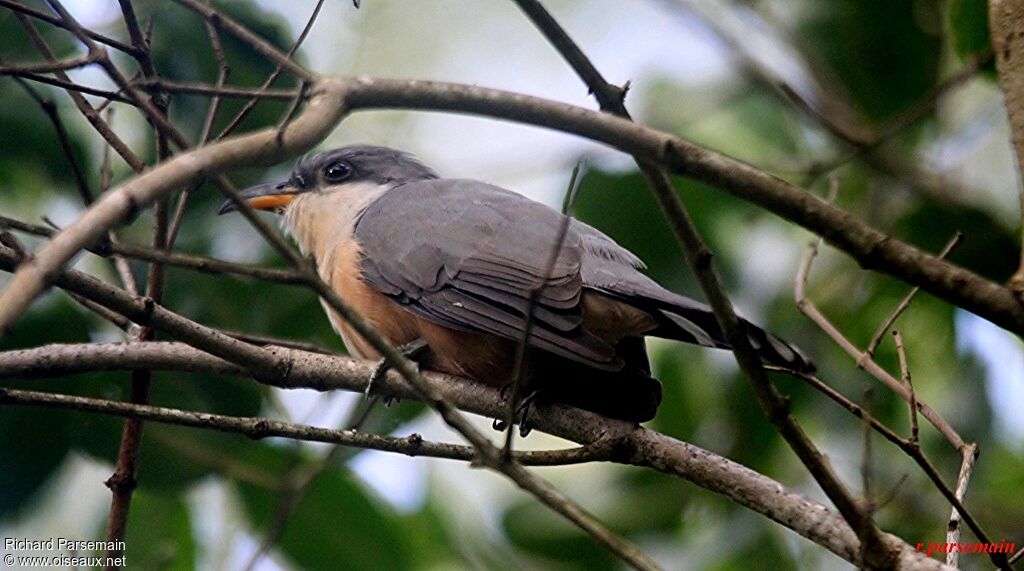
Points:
x=274, y=196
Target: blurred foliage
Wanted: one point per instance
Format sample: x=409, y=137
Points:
x=968, y=23
x=162, y=534
x=885, y=56
x=338, y=524
x=885, y=53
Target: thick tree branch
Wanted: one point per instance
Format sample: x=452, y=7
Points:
x=318, y=118
x=331, y=98
x=633, y=445
x=1006, y=22
x=874, y=552
x=870, y=247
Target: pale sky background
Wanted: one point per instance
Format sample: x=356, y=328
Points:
x=488, y=43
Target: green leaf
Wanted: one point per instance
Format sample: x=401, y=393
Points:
x=36, y=440
x=885, y=53
x=159, y=533
x=337, y=525
x=968, y=24
x=535, y=528
x=172, y=458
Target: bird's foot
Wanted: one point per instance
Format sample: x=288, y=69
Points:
x=521, y=416
x=411, y=350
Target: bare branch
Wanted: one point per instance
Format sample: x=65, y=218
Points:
x=953, y=528
x=223, y=70
x=873, y=249
x=863, y=360
x=518, y=367
x=226, y=24
x=910, y=449
x=265, y=87
x=634, y=445
x=215, y=90
x=867, y=462
x=259, y=428
x=323, y=111
x=71, y=86
x=905, y=375
x=1006, y=20
x=50, y=108
x=32, y=69
x=874, y=552
x=123, y=481
x=905, y=302
x=87, y=110
x=178, y=259
x=20, y=8
x=264, y=340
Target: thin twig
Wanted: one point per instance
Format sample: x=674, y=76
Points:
x=218, y=91
x=50, y=108
x=20, y=8
x=36, y=68
x=874, y=551
x=226, y=24
x=955, y=241
x=953, y=528
x=223, y=71
x=296, y=484
x=69, y=85
x=910, y=449
x=119, y=321
x=863, y=361
x=905, y=375
x=177, y=259
x=121, y=265
x=518, y=367
x=260, y=428
x=87, y=110
x=123, y=481
x=293, y=108
x=265, y=87
x=264, y=340
x=152, y=108
x=866, y=468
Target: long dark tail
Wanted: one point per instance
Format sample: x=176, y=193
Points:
x=692, y=322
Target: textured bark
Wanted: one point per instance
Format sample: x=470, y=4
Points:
x=1006, y=21
x=636, y=445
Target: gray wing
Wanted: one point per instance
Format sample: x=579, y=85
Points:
x=610, y=268
x=465, y=255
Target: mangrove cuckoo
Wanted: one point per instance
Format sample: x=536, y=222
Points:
x=453, y=262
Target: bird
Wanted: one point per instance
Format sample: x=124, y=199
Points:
x=445, y=268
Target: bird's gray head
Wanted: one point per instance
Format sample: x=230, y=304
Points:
x=327, y=171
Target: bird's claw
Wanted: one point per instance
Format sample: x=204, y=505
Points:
x=521, y=415
x=411, y=351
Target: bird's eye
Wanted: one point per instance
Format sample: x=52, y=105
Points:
x=337, y=171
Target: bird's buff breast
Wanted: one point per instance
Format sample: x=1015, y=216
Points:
x=482, y=357
x=324, y=226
